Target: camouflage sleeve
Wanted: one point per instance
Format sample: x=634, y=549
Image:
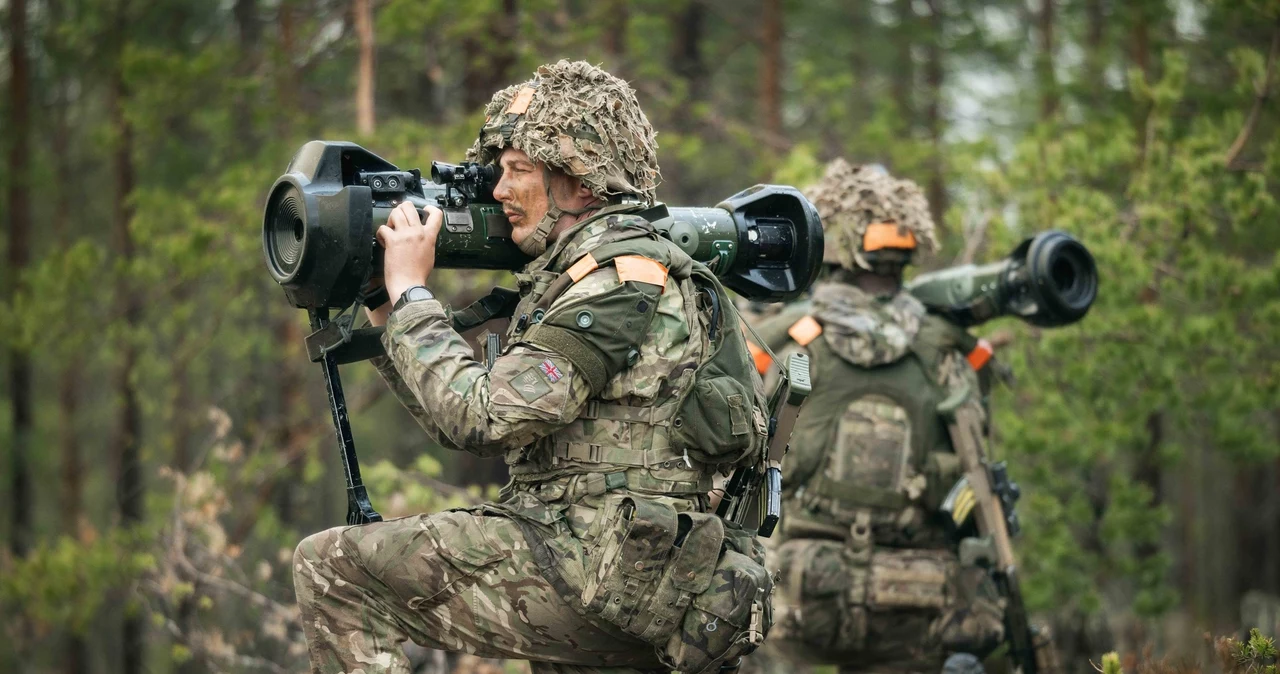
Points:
x=530, y=392
x=540, y=384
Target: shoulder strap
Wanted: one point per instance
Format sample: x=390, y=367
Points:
x=637, y=254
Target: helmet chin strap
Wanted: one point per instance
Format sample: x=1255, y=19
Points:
x=536, y=243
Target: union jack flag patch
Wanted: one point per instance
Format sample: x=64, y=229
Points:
x=552, y=372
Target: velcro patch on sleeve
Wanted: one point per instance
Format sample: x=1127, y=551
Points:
x=531, y=384
x=981, y=354
x=585, y=265
x=759, y=357
x=805, y=330
x=521, y=101
x=641, y=269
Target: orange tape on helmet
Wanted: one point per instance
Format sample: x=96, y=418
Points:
x=881, y=235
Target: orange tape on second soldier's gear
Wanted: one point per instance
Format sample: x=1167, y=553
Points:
x=981, y=354
x=641, y=269
x=521, y=102
x=881, y=235
x=585, y=265
x=805, y=330
x=759, y=357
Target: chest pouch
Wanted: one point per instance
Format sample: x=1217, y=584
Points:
x=871, y=463
x=721, y=418
x=689, y=584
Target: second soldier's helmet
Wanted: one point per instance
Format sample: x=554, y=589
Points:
x=580, y=119
x=869, y=216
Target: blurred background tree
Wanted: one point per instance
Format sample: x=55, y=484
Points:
x=166, y=444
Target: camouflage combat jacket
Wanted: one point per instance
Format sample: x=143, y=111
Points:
x=869, y=447
x=581, y=400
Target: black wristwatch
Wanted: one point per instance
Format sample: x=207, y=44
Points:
x=413, y=294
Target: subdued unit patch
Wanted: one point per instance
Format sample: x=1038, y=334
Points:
x=531, y=384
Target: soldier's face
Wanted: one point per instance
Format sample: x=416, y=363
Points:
x=522, y=190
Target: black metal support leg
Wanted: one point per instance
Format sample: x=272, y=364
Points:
x=359, y=510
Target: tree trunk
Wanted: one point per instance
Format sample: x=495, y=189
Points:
x=770, y=114
x=1045, y=61
x=365, y=120
x=19, y=255
x=904, y=78
x=127, y=442
x=292, y=412
x=489, y=57
x=1140, y=53
x=860, y=103
x=688, y=27
x=1095, y=60
x=250, y=32
x=933, y=78
x=616, y=19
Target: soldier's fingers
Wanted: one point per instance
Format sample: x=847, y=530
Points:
x=434, y=218
x=382, y=234
x=408, y=213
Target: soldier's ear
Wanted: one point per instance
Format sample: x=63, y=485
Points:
x=583, y=192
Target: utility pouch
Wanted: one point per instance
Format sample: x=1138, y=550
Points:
x=730, y=615
x=721, y=418
x=676, y=581
x=823, y=597
x=908, y=579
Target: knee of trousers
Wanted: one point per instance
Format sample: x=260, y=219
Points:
x=311, y=568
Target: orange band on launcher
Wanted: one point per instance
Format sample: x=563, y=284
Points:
x=585, y=265
x=641, y=269
x=521, y=102
x=981, y=354
x=881, y=235
x=759, y=357
x=805, y=330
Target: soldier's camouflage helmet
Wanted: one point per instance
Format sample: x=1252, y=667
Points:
x=580, y=119
x=852, y=198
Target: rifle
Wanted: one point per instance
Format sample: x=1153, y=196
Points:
x=784, y=407
x=986, y=491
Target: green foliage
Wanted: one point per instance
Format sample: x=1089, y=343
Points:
x=63, y=583
x=1176, y=367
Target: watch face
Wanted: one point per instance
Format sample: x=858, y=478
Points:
x=418, y=293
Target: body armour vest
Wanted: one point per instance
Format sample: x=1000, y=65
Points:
x=870, y=451
x=627, y=435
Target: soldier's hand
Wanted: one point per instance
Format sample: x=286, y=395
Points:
x=410, y=246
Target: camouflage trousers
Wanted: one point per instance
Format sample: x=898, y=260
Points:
x=456, y=581
x=885, y=610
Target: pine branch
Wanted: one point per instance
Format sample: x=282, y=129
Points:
x=1262, y=90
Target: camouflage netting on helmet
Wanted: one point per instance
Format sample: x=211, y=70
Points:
x=581, y=120
x=850, y=198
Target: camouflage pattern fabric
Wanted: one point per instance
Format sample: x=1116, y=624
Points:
x=902, y=611
x=509, y=579
x=869, y=575
x=461, y=581
x=581, y=120
x=864, y=329
x=850, y=198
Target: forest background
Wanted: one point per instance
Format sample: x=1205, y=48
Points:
x=165, y=442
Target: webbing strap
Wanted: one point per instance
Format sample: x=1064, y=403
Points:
x=650, y=415
x=499, y=303
x=855, y=495
x=564, y=342
x=586, y=452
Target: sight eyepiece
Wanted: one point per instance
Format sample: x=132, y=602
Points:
x=467, y=172
x=1048, y=280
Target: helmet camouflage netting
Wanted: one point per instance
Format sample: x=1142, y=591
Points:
x=850, y=198
x=581, y=120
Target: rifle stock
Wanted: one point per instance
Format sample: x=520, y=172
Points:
x=1030, y=649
